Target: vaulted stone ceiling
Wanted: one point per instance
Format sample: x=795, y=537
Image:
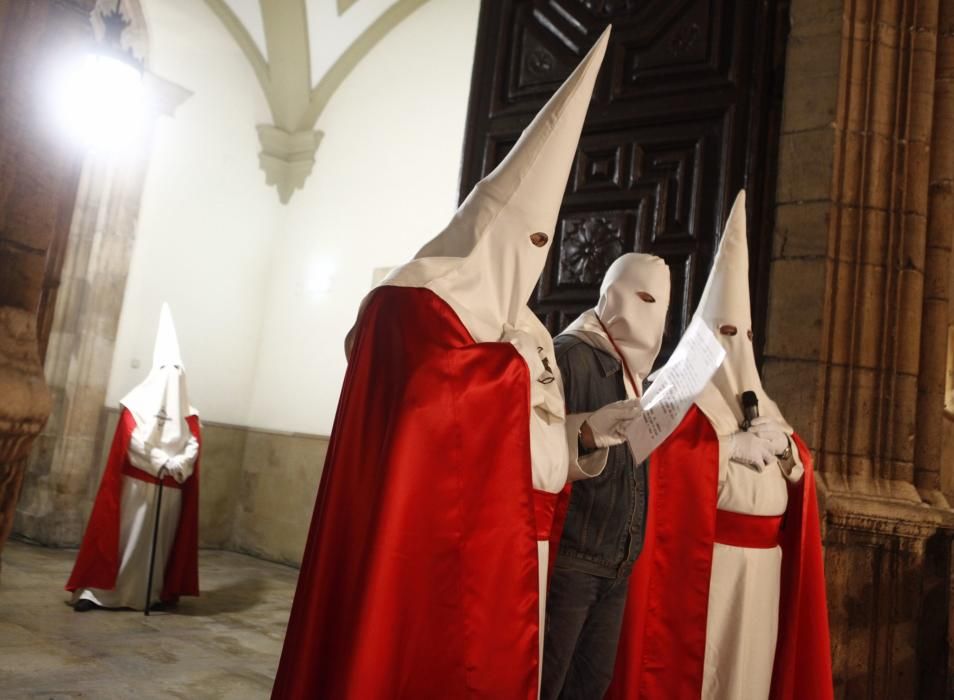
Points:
x=301, y=51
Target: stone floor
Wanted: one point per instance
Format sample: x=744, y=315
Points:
x=224, y=644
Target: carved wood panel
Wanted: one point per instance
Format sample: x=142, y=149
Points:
x=685, y=113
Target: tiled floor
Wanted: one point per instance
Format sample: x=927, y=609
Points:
x=224, y=644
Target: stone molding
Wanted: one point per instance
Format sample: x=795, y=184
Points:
x=287, y=158
x=289, y=144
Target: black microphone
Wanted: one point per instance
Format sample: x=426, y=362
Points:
x=750, y=408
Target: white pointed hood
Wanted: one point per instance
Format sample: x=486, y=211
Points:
x=160, y=404
x=625, y=324
x=484, y=264
x=725, y=302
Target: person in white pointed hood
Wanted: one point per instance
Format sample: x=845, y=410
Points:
x=603, y=356
x=448, y=452
x=157, y=437
x=716, y=610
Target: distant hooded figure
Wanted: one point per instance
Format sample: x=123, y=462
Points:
x=158, y=430
x=727, y=600
x=426, y=561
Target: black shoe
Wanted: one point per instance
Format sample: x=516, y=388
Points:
x=84, y=605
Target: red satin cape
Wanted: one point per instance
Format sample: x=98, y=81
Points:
x=419, y=578
x=662, y=645
x=97, y=563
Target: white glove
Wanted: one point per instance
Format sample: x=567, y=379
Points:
x=750, y=449
x=609, y=424
x=176, y=469
x=770, y=429
x=527, y=346
x=157, y=458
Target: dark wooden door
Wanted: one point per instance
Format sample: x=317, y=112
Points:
x=685, y=113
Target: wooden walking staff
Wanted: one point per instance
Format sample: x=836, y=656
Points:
x=155, y=535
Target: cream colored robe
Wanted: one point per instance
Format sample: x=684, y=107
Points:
x=742, y=625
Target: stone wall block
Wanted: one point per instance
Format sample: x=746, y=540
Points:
x=842, y=307
x=881, y=159
x=786, y=378
x=902, y=426
x=844, y=232
x=913, y=248
x=852, y=166
x=865, y=408
x=812, y=90
x=874, y=231
x=917, y=184
x=868, y=319
x=807, y=175
x=909, y=323
x=833, y=439
x=801, y=230
x=816, y=18
x=797, y=289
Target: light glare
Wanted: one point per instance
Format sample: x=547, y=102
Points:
x=100, y=103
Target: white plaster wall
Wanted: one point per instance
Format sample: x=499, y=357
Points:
x=207, y=220
x=385, y=182
x=263, y=294
x=249, y=13
x=331, y=33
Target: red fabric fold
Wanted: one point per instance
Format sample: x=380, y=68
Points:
x=744, y=530
x=803, y=653
x=544, y=506
x=97, y=563
x=419, y=578
x=662, y=645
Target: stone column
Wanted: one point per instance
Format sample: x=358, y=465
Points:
x=876, y=248
x=937, y=271
x=65, y=465
x=851, y=319
x=38, y=179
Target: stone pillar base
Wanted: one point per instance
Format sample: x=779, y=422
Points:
x=890, y=593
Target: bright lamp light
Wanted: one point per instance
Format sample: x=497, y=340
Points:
x=100, y=103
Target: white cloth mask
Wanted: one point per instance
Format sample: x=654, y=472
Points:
x=629, y=319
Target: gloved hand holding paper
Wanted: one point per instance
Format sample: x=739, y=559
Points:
x=677, y=384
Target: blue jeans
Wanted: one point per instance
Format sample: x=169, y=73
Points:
x=584, y=617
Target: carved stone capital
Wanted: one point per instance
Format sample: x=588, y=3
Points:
x=287, y=158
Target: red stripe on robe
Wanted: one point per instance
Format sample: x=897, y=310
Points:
x=419, y=577
x=662, y=645
x=97, y=563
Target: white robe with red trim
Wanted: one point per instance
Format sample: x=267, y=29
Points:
x=137, y=518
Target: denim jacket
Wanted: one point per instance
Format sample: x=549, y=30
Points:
x=605, y=524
